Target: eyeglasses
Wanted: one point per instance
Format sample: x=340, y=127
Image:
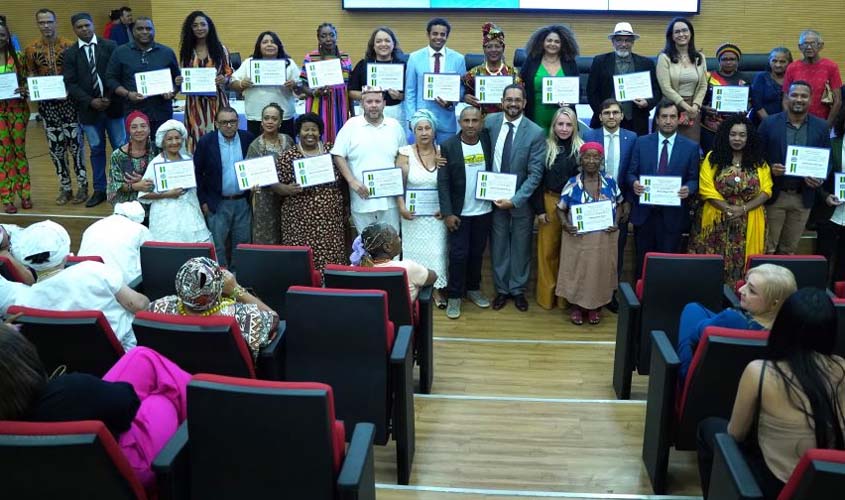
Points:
x=227, y=123
x=810, y=45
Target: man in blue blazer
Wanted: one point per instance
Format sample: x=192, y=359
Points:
x=519, y=148
x=434, y=58
x=659, y=228
x=225, y=206
x=618, y=146
x=793, y=197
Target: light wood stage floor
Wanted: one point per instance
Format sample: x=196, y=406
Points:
x=522, y=405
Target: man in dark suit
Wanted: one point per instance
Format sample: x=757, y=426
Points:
x=121, y=34
x=618, y=146
x=793, y=197
x=621, y=61
x=664, y=153
x=519, y=148
x=84, y=73
x=225, y=206
x=467, y=218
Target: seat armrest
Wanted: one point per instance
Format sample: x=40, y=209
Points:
x=357, y=476
x=660, y=410
x=402, y=374
x=172, y=468
x=425, y=293
x=628, y=296
x=423, y=339
x=731, y=478
x=402, y=350
x=627, y=329
x=271, y=358
x=730, y=298
x=137, y=284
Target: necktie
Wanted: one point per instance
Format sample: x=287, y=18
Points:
x=437, y=62
x=663, y=164
x=95, y=78
x=505, y=165
x=610, y=162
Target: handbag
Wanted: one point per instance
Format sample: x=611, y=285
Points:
x=827, y=94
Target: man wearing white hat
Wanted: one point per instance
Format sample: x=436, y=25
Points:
x=620, y=62
x=117, y=239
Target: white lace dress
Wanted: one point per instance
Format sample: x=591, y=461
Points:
x=177, y=220
x=424, y=238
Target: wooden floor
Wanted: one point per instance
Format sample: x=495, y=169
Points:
x=522, y=406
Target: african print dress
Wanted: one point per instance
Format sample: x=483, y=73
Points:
x=201, y=109
x=267, y=204
x=481, y=70
x=14, y=116
x=120, y=165
x=333, y=108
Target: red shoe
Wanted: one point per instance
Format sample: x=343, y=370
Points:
x=11, y=208
x=594, y=317
x=26, y=203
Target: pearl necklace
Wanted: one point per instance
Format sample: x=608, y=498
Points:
x=317, y=153
x=494, y=73
x=210, y=312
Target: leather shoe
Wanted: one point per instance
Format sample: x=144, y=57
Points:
x=11, y=208
x=95, y=199
x=613, y=306
x=500, y=301
x=520, y=302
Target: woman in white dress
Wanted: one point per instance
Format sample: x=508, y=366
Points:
x=423, y=236
x=175, y=214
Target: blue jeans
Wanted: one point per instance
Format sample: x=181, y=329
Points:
x=233, y=219
x=96, y=135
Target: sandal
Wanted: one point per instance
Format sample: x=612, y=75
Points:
x=576, y=316
x=26, y=203
x=594, y=317
x=439, y=300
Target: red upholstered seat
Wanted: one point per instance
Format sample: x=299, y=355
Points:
x=75, y=259
x=168, y=244
x=8, y=271
x=815, y=454
x=839, y=289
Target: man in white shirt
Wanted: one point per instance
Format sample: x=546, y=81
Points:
x=368, y=142
x=117, y=239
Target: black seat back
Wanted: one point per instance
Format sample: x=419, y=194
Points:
x=160, y=262
x=809, y=270
x=269, y=270
x=394, y=281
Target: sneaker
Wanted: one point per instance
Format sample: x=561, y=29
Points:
x=81, y=197
x=64, y=197
x=453, y=308
x=476, y=298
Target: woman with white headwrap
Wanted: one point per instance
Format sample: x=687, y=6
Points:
x=175, y=214
x=423, y=236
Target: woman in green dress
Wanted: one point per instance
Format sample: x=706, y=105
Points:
x=551, y=51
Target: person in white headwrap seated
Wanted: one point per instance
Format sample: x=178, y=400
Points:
x=89, y=285
x=19, y=272
x=175, y=214
x=117, y=239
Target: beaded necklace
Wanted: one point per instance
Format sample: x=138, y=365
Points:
x=210, y=312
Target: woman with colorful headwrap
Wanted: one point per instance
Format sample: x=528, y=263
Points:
x=587, y=276
x=424, y=236
x=493, y=43
x=728, y=56
x=175, y=214
x=129, y=162
x=203, y=288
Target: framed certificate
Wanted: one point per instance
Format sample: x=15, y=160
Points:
x=633, y=86
x=8, y=85
x=150, y=83
x=314, y=170
x=730, y=99
x=839, y=187
x=42, y=88
x=661, y=190
x=386, y=76
x=557, y=89
x=492, y=186
x=805, y=161
x=446, y=86
x=489, y=89
x=199, y=81
x=589, y=217
x=259, y=171
x=422, y=201
x=384, y=182
x=324, y=73
x=268, y=72
x=174, y=175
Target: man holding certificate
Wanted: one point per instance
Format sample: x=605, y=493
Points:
x=663, y=174
x=796, y=138
x=144, y=58
x=369, y=143
x=519, y=149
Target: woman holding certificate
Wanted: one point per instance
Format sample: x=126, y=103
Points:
x=201, y=48
x=14, y=117
x=682, y=75
x=588, y=250
x=424, y=234
x=734, y=183
x=312, y=215
x=330, y=102
x=383, y=48
x=728, y=56
x=129, y=162
x=551, y=52
x=175, y=214
x=493, y=43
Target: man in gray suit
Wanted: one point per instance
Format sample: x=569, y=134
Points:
x=520, y=149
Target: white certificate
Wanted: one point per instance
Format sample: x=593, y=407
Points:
x=259, y=171
x=324, y=73
x=386, y=76
x=661, y=190
x=804, y=161
x=42, y=88
x=491, y=186
x=174, y=175
x=314, y=170
x=596, y=216
x=268, y=71
x=489, y=89
x=558, y=89
x=839, y=188
x=384, y=182
x=446, y=86
x=422, y=201
x=8, y=85
x=199, y=81
x=632, y=86
x=730, y=99
x=155, y=82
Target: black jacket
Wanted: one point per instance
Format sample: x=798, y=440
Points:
x=451, y=178
x=80, y=85
x=600, y=87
